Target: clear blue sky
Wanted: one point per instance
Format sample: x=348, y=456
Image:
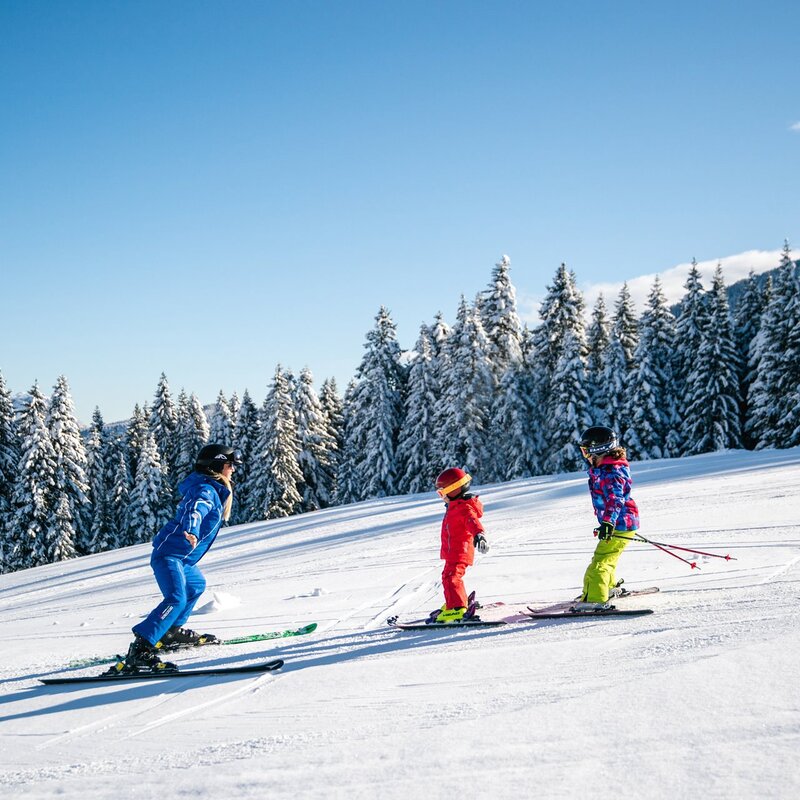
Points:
x=210, y=188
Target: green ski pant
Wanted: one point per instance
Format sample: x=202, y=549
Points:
x=601, y=574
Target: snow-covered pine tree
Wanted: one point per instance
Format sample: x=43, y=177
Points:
x=120, y=533
x=568, y=408
x=690, y=325
x=35, y=491
x=501, y=321
x=561, y=313
x=245, y=436
x=378, y=409
x=221, y=424
x=440, y=333
x=316, y=445
x=773, y=353
x=135, y=434
x=192, y=434
x=9, y=465
x=466, y=396
x=276, y=491
x=150, y=497
x=746, y=324
x=415, y=449
x=650, y=411
x=70, y=477
x=598, y=337
x=234, y=404
x=712, y=399
x=101, y=533
x=163, y=425
x=62, y=540
x=333, y=409
x=348, y=489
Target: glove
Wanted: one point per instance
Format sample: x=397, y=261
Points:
x=605, y=530
x=481, y=545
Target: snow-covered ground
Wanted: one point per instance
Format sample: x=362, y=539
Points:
x=699, y=700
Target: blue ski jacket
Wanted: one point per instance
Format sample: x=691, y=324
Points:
x=199, y=513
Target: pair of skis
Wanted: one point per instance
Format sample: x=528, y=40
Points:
x=557, y=611
x=142, y=675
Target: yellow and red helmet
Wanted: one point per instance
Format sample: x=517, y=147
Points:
x=451, y=480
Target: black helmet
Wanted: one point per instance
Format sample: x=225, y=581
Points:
x=598, y=440
x=214, y=457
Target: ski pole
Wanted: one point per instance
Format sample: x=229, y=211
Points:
x=637, y=538
x=686, y=549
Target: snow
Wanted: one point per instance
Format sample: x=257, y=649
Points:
x=698, y=700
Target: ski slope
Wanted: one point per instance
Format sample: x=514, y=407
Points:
x=699, y=700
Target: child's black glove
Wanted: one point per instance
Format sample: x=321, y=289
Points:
x=605, y=530
x=481, y=545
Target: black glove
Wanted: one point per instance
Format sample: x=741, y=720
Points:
x=605, y=530
x=481, y=545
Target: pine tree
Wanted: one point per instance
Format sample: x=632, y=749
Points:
x=35, y=490
x=711, y=419
x=598, y=338
x=245, y=436
x=163, y=426
x=221, y=425
x=333, y=409
x=120, y=533
x=316, y=445
x=501, y=321
x=440, y=333
x=415, y=449
x=650, y=411
x=62, y=542
x=378, y=409
x=192, y=433
x=618, y=361
x=348, y=489
x=135, y=434
x=772, y=361
x=71, y=465
x=466, y=396
x=150, y=496
x=9, y=465
x=276, y=490
x=101, y=534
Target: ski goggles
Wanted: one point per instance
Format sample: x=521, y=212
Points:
x=443, y=492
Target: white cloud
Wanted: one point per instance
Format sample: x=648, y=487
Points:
x=795, y=126
x=734, y=268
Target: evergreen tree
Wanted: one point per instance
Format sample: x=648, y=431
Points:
x=9, y=465
x=773, y=355
x=466, y=396
x=35, y=490
x=440, y=333
x=120, y=533
x=501, y=321
x=568, y=417
x=333, y=409
x=650, y=411
x=101, y=533
x=277, y=484
x=135, y=434
x=221, y=425
x=193, y=433
x=245, y=437
x=316, y=445
x=598, y=337
x=150, y=496
x=70, y=477
x=348, y=489
x=163, y=426
x=378, y=409
x=711, y=419
x=63, y=532
x=415, y=449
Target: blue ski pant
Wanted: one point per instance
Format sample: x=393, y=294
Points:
x=181, y=584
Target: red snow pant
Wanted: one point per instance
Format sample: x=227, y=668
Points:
x=455, y=595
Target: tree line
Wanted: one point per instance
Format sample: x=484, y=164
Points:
x=497, y=398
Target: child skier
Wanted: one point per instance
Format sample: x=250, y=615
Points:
x=462, y=532
x=610, y=490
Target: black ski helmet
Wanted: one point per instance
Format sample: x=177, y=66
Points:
x=598, y=440
x=213, y=457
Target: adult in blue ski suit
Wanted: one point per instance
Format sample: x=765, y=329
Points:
x=206, y=501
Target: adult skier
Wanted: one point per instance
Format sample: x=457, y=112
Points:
x=610, y=489
x=207, y=494
x=462, y=533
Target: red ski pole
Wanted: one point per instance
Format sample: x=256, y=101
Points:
x=637, y=538
x=685, y=549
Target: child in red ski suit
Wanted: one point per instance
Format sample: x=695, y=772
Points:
x=462, y=532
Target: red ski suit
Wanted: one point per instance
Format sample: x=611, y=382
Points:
x=462, y=521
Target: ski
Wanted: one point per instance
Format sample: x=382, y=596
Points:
x=256, y=637
x=569, y=614
x=422, y=625
x=107, y=677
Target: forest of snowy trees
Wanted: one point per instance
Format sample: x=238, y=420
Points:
x=489, y=395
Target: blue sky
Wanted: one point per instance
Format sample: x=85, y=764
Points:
x=209, y=189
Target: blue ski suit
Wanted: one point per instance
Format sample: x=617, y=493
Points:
x=174, y=560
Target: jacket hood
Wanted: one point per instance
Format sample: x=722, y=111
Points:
x=198, y=478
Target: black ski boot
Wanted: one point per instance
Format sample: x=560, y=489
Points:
x=142, y=657
x=176, y=638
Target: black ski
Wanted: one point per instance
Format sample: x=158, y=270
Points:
x=421, y=625
x=107, y=677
